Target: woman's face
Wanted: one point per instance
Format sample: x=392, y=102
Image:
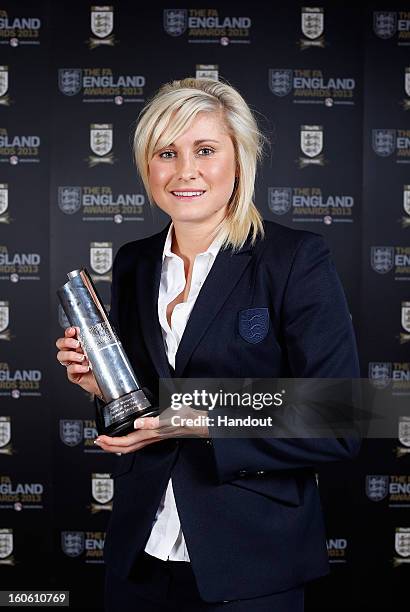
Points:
x=192, y=180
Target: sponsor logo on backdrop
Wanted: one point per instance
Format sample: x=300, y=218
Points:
x=88, y=546
x=101, y=143
x=309, y=204
x=15, y=31
x=5, y=333
x=4, y=86
x=102, y=27
x=281, y=81
x=15, y=267
x=395, y=374
x=386, y=142
x=19, y=149
x=385, y=259
x=401, y=546
x=405, y=221
x=70, y=81
x=311, y=144
x=380, y=373
x=69, y=199
x=99, y=203
x=392, y=25
x=385, y=24
x=102, y=490
x=207, y=71
x=101, y=261
x=20, y=495
x=72, y=543
x=207, y=26
x=403, y=435
x=377, y=487
x=175, y=21
x=406, y=101
x=20, y=382
x=71, y=431
x=337, y=550
x=394, y=488
x=4, y=203
x=5, y=436
x=79, y=433
x=6, y=547
x=310, y=86
x=280, y=200
x=405, y=322
x=313, y=27
x=382, y=259
x=101, y=85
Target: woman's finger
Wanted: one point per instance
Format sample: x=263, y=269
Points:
x=64, y=356
x=124, y=441
x=65, y=343
x=130, y=449
x=70, y=332
x=76, y=368
x=147, y=423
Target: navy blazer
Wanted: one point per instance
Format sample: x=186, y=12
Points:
x=249, y=508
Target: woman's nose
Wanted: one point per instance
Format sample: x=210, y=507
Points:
x=187, y=167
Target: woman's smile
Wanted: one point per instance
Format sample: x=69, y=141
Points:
x=188, y=195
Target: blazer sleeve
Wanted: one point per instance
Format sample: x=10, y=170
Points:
x=319, y=341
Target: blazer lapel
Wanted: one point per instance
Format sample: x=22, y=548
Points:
x=219, y=284
x=148, y=281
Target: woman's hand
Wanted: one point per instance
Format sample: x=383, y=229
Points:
x=154, y=429
x=71, y=355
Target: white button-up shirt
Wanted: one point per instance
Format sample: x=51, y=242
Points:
x=166, y=540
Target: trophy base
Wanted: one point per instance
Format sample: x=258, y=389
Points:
x=117, y=417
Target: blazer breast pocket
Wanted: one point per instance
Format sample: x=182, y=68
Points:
x=254, y=324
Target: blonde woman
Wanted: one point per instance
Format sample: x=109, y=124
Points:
x=209, y=523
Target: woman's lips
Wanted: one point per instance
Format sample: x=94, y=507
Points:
x=187, y=195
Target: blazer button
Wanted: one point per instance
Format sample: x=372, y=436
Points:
x=260, y=473
x=242, y=473
x=208, y=442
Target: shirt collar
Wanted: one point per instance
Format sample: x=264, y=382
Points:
x=213, y=248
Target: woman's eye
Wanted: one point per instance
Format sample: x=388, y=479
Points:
x=167, y=154
x=205, y=151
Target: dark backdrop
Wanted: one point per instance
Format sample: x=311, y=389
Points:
x=331, y=88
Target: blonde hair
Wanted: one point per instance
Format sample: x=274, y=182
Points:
x=171, y=111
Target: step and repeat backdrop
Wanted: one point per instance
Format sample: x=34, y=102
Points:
x=330, y=85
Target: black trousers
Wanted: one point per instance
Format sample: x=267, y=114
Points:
x=170, y=586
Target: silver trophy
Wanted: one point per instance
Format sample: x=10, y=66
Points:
x=123, y=396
